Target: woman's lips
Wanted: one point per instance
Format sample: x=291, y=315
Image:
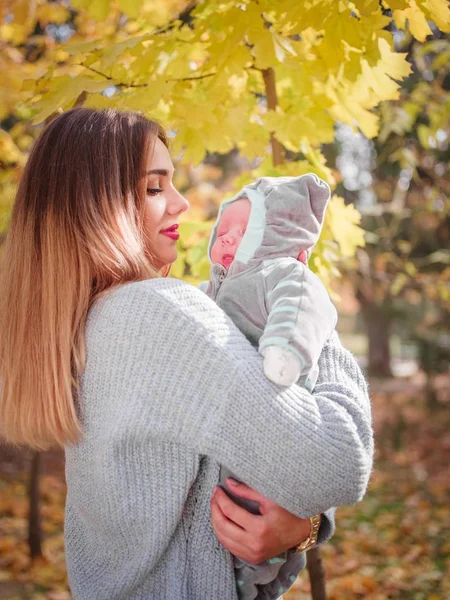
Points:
x=171, y=232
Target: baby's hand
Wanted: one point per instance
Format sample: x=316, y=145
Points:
x=281, y=365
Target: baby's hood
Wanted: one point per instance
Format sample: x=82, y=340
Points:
x=286, y=217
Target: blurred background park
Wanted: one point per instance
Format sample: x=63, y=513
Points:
x=357, y=92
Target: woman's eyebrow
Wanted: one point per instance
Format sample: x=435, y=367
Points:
x=163, y=172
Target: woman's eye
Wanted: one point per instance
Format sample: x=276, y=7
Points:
x=153, y=191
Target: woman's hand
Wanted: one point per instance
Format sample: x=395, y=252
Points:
x=255, y=538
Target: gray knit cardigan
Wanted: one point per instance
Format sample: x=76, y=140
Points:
x=172, y=389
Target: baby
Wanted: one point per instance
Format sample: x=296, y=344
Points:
x=278, y=303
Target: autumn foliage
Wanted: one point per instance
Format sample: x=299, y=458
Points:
x=222, y=75
x=259, y=87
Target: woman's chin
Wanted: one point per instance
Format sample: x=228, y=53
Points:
x=164, y=262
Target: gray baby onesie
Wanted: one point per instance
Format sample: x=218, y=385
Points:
x=276, y=301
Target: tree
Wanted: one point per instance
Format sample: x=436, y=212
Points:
x=227, y=74
x=34, y=516
x=406, y=259
x=268, y=77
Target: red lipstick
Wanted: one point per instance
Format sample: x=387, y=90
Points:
x=171, y=232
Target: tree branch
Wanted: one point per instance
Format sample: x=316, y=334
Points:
x=141, y=85
x=98, y=72
x=194, y=78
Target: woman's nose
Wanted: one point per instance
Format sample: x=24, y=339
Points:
x=178, y=203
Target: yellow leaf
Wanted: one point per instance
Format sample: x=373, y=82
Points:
x=424, y=133
x=351, y=103
x=411, y=269
x=343, y=221
x=266, y=53
x=439, y=12
x=130, y=7
x=63, y=93
x=15, y=33
x=417, y=22
x=190, y=144
x=395, y=63
x=375, y=78
x=22, y=11
x=82, y=47
x=141, y=100
x=52, y=13
x=398, y=284
x=254, y=141
x=113, y=51
x=98, y=9
x=342, y=33
x=264, y=49
x=9, y=152
x=390, y=66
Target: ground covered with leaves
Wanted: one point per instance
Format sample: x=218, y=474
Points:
x=393, y=545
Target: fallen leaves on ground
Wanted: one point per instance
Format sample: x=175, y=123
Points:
x=393, y=545
x=43, y=577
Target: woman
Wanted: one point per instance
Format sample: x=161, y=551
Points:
x=148, y=384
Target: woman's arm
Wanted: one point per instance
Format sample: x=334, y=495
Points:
x=202, y=385
x=311, y=451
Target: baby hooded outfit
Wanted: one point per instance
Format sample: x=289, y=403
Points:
x=275, y=300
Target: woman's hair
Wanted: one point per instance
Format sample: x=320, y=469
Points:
x=76, y=231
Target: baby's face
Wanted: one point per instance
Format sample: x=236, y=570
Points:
x=230, y=231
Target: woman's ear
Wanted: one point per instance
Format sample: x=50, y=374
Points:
x=303, y=257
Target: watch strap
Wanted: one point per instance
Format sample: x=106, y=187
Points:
x=311, y=540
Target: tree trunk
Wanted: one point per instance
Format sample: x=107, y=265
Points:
x=278, y=153
x=34, y=519
x=316, y=574
x=428, y=361
x=377, y=321
x=431, y=395
x=314, y=559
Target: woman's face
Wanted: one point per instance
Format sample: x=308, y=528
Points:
x=163, y=206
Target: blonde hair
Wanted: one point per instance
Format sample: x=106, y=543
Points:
x=76, y=231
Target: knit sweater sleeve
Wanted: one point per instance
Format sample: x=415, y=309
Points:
x=201, y=384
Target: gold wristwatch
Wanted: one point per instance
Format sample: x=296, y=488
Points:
x=312, y=539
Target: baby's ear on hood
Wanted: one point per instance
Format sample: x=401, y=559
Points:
x=319, y=194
